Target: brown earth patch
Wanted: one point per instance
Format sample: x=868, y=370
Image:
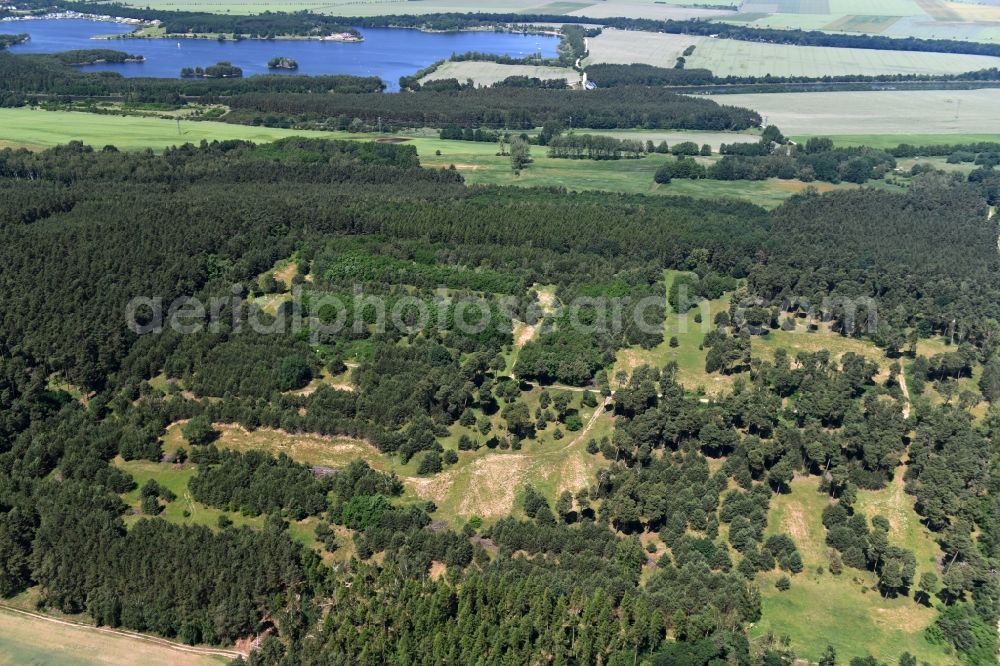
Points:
x=462, y=166
x=438, y=570
x=799, y=186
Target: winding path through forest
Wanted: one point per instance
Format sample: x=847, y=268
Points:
x=906, y=394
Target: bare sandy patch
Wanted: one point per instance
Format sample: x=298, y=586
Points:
x=493, y=484
x=434, y=488
x=310, y=449
x=523, y=333
x=799, y=186
x=438, y=570
x=285, y=274
x=573, y=475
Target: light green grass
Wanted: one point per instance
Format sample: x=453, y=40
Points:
x=690, y=334
x=890, y=112
x=479, y=163
x=42, y=129
x=822, y=609
x=743, y=58
x=176, y=478
x=802, y=340
x=964, y=19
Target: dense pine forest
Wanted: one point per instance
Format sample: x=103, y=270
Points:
x=567, y=578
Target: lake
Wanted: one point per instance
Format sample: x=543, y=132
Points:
x=388, y=53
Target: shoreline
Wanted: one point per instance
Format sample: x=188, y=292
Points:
x=220, y=37
x=342, y=38
x=140, y=24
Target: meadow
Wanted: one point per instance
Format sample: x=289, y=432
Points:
x=479, y=163
x=726, y=57
x=845, y=610
x=35, y=130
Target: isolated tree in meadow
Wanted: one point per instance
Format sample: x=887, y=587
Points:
x=520, y=154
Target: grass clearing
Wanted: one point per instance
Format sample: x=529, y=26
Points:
x=690, y=359
x=483, y=483
x=844, y=611
x=185, y=510
x=957, y=114
x=802, y=340
x=486, y=482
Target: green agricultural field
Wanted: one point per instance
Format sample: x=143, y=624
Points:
x=479, y=163
x=733, y=57
x=488, y=73
x=844, y=611
x=890, y=112
x=26, y=639
x=43, y=129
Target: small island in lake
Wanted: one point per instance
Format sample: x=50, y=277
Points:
x=282, y=63
x=82, y=57
x=12, y=40
x=220, y=70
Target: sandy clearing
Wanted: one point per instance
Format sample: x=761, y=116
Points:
x=493, y=485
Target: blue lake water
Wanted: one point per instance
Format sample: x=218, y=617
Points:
x=388, y=53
